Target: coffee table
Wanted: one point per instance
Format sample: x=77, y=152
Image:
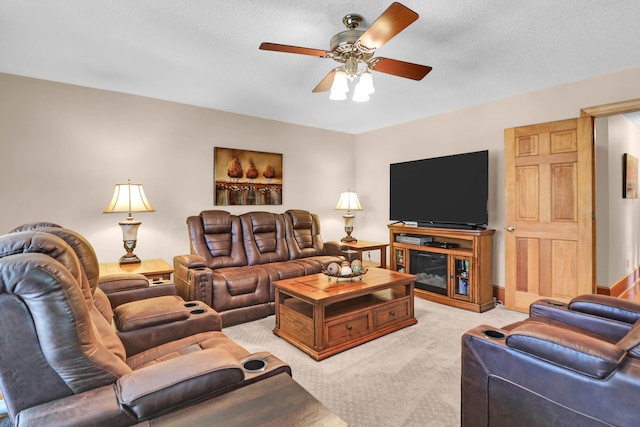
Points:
x=323, y=316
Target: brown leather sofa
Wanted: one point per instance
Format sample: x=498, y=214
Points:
x=63, y=364
x=235, y=258
x=575, y=364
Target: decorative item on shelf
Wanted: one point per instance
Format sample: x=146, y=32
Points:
x=129, y=198
x=345, y=271
x=348, y=201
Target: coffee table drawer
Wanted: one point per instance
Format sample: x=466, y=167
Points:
x=348, y=327
x=391, y=313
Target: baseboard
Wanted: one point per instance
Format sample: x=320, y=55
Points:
x=618, y=289
x=621, y=286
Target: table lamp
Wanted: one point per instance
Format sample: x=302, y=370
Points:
x=129, y=198
x=348, y=201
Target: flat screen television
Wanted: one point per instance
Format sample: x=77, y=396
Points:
x=450, y=191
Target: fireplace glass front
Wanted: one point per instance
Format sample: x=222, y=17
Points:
x=431, y=269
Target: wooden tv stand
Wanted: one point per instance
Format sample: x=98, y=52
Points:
x=464, y=279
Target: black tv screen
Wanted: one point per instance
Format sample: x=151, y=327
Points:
x=441, y=191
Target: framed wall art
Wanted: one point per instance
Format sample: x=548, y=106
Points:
x=243, y=177
x=630, y=177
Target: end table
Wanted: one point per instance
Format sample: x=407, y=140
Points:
x=364, y=246
x=152, y=269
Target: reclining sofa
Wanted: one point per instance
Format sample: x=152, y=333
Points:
x=235, y=258
x=63, y=363
x=575, y=364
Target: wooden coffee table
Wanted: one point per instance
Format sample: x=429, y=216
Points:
x=323, y=317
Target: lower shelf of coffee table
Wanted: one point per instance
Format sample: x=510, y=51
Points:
x=344, y=324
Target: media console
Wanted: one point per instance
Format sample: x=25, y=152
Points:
x=454, y=266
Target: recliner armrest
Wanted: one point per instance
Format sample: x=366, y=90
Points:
x=572, y=350
x=126, y=287
x=193, y=278
x=174, y=383
x=97, y=406
x=189, y=261
x=150, y=312
x=122, y=282
x=335, y=248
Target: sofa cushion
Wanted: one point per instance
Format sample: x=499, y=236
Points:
x=302, y=230
x=264, y=237
x=216, y=237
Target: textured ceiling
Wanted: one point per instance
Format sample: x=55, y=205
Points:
x=205, y=52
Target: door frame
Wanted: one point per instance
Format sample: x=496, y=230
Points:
x=594, y=112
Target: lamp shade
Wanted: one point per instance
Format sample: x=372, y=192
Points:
x=349, y=201
x=129, y=198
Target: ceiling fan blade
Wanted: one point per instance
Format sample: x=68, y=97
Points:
x=396, y=18
x=326, y=83
x=400, y=68
x=294, y=49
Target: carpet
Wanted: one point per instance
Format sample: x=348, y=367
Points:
x=410, y=377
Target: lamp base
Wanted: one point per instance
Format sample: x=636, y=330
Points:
x=130, y=259
x=348, y=237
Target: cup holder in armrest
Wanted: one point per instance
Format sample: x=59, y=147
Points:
x=190, y=304
x=555, y=303
x=494, y=335
x=254, y=365
x=198, y=311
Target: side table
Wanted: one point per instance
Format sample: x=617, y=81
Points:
x=364, y=246
x=152, y=269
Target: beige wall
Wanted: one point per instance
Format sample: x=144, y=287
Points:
x=64, y=147
x=471, y=129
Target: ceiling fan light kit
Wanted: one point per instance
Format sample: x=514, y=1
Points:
x=355, y=49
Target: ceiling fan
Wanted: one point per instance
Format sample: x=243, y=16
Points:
x=355, y=49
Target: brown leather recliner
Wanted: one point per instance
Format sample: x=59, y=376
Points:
x=136, y=310
x=565, y=365
x=119, y=288
x=63, y=364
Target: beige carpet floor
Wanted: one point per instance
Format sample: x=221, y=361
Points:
x=408, y=378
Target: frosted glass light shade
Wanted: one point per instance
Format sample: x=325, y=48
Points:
x=359, y=93
x=340, y=82
x=337, y=96
x=366, y=81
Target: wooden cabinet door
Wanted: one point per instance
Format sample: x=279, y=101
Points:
x=462, y=284
x=549, y=184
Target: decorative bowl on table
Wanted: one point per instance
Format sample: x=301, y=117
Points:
x=344, y=271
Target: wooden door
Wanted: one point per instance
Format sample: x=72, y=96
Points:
x=549, y=184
